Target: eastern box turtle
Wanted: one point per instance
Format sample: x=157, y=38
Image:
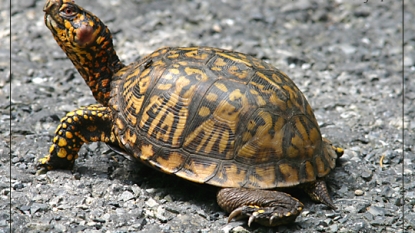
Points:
x=204, y=114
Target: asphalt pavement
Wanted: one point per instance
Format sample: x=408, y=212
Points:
x=345, y=56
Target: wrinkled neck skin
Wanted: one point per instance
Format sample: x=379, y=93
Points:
x=93, y=55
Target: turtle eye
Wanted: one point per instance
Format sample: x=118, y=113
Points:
x=68, y=11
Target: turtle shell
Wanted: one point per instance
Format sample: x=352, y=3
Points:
x=217, y=117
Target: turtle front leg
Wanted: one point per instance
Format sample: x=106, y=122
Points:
x=266, y=207
x=87, y=124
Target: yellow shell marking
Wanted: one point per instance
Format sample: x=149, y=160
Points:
x=321, y=167
x=204, y=111
x=277, y=102
x=195, y=55
x=174, y=71
x=246, y=62
x=242, y=74
x=172, y=163
x=146, y=152
x=173, y=56
x=237, y=173
x=220, y=62
x=197, y=170
x=290, y=174
x=160, y=119
x=261, y=139
x=309, y=170
x=212, y=137
x=276, y=78
x=207, y=125
x=216, y=134
x=200, y=75
x=132, y=137
x=267, y=174
x=221, y=86
x=164, y=86
x=211, y=97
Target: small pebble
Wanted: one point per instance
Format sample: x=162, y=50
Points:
x=151, y=203
x=359, y=192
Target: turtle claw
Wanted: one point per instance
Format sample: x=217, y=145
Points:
x=267, y=216
x=244, y=211
x=251, y=220
x=41, y=171
x=42, y=166
x=235, y=214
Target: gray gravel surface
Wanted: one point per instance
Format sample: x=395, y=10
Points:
x=346, y=56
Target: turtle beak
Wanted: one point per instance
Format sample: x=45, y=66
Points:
x=52, y=19
x=49, y=4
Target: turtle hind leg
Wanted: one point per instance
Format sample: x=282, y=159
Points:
x=86, y=124
x=318, y=192
x=266, y=207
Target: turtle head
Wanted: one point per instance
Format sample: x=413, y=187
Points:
x=87, y=42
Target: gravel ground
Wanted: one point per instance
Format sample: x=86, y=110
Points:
x=346, y=58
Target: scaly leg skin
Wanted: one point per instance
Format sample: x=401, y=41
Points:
x=86, y=124
x=318, y=192
x=266, y=207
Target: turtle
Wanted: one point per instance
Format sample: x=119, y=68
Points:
x=208, y=115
